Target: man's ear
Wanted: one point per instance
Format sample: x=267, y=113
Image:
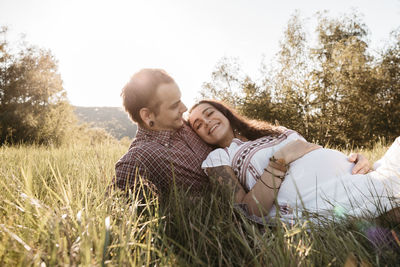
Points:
x=147, y=116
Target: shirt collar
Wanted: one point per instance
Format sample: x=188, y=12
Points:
x=163, y=137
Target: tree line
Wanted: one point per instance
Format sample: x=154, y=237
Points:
x=332, y=91
x=34, y=107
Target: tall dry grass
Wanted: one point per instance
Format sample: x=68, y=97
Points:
x=55, y=210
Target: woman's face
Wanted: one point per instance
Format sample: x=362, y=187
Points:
x=211, y=125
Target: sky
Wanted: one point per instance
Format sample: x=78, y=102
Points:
x=99, y=45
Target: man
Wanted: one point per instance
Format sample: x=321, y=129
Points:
x=166, y=150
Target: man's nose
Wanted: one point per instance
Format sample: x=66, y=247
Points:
x=183, y=108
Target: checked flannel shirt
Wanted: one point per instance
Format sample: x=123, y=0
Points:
x=161, y=156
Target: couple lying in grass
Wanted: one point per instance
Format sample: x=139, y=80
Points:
x=261, y=163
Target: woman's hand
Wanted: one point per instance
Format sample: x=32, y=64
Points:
x=362, y=165
x=295, y=150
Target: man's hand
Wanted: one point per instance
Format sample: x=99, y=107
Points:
x=362, y=164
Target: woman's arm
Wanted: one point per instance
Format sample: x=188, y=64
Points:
x=261, y=197
x=225, y=176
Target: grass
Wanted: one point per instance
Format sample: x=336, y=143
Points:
x=55, y=210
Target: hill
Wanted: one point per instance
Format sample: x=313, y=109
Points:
x=113, y=119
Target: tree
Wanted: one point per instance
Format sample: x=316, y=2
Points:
x=226, y=82
x=33, y=102
x=257, y=102
x=230, y=85
x=292, y=80
x=387, y=74
x=342, y=80
x=334, y=92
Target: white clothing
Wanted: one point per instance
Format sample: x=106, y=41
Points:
x=319, y=182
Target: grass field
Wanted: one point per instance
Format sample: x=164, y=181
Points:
x=54, y=210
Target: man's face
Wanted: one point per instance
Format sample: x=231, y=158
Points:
x=171, y=108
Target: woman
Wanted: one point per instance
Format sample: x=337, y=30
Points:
x=255, y=157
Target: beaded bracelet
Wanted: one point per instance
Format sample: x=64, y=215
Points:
x=269, y=186
x=274, y=175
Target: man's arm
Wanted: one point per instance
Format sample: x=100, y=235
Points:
x=131, y=175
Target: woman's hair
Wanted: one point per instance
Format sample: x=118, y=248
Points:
x=251, y=129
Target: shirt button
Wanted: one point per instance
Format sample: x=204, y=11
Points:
x=166, y=145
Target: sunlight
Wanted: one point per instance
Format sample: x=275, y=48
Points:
x=339, y=212
x=100, y=44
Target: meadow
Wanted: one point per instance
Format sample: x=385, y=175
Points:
x=55, y=210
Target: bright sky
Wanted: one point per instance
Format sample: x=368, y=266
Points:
x=100, y=44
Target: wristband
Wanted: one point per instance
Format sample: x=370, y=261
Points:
x=269, y=186
x=278, y=164
x=274, y=175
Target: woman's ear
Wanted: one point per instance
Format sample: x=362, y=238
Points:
x=147, y=117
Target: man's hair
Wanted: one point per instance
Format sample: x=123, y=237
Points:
x=139, y=92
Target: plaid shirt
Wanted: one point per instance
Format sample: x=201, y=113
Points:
x=160, y=157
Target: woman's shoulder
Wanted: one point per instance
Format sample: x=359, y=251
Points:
x=289, y=133
x=219, y=157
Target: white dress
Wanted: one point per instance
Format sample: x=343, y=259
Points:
x=319, y=182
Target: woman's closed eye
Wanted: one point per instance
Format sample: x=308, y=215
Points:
x=198, y=125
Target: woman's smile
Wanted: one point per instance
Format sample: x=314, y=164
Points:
x=211, y=125
x=212, y=129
